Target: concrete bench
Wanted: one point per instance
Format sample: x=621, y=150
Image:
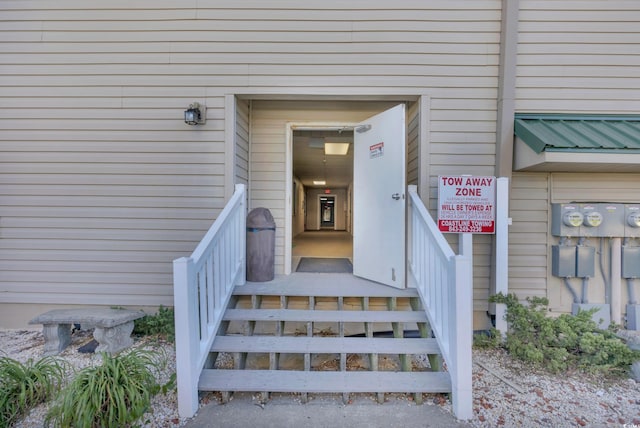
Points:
x=112, y=327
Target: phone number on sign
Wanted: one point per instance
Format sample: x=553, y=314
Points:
x=465, y=226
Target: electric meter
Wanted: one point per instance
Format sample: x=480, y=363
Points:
x=634, y=219
x=632, y=222
x=566, y=220
x=573, y=218
x=592, y=219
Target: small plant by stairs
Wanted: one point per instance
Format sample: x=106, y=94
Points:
x=303, y=340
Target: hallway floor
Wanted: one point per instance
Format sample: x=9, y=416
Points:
x=329, y=244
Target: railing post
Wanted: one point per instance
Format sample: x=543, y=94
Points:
x=242, y=278
x=410, y=248
x=446, y=290
x=186, y=336
x=461, y=318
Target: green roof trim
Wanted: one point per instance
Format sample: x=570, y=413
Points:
x=579, y=133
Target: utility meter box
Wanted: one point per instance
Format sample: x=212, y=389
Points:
x=612, y=220
x=585, y=261
x=632, y=221
x=630, y=262
x=566, y=220
x=633, y=317
x=563, y=261
x=591, y=220
x=602, y=316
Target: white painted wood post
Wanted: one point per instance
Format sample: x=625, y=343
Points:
x=616, y=280
x=187, y=337
x=242, y=277
x=462, y=340
x=501, y=261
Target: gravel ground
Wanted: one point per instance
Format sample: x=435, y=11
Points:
x=506, y=392
x=23, y=345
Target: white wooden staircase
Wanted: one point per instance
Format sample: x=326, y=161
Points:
x=301, y=338
x=211, y=299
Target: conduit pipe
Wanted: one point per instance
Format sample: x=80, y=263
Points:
x=631, y=291
x=605, y=278
x=585, y=294
x=573, y=292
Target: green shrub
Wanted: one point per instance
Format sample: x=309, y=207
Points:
x=114, y=394
x=161, y=324
x=490, y=339
x=562, y=343
x=23, y=386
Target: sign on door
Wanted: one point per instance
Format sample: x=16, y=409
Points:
x=466, y=204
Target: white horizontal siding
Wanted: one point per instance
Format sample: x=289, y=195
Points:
x=529, y=208
x=588, y=187
x=578, y=56
x=100, y=187
x=98, y=157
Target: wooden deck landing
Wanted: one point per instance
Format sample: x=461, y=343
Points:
x=322, y=284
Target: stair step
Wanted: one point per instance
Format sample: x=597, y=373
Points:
x=324, y=381
x=332, y=285
x=302, y=315
x=324, y=345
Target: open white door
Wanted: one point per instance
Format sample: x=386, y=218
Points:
x=379, y=198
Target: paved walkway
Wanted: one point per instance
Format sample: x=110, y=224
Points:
x=326, y=411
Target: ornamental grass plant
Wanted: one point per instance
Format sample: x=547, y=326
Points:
x=113, y=394
x=25, y=385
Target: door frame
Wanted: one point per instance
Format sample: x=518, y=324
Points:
x=288, y=206
x=294, y=94
x=326, y=195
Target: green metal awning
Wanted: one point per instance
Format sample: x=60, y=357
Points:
x=553, y=142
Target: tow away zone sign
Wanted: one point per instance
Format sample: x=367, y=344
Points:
x=466, y=204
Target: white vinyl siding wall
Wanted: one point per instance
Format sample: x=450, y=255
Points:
x=579, y=56
x=575, y=56
x=101, y=182
x=528, y=249
x=588, y=187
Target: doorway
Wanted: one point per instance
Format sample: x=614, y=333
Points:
x=262, y=156
x=322, y=178
x=327, y=212
x=377, y=182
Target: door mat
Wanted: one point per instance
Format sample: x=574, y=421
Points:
x=324, y=265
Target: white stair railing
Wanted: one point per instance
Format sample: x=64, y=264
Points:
x=445, y=283
x=202, y=286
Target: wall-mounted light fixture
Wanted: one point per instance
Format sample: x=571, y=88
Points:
x=196, y=114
